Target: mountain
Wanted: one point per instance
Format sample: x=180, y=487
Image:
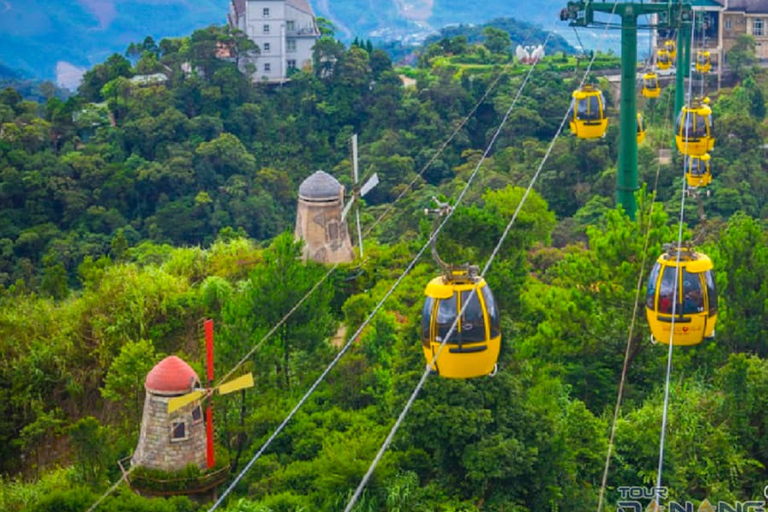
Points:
x=50, y=39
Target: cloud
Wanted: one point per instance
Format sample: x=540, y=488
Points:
x=68, y=76
x=104, y=10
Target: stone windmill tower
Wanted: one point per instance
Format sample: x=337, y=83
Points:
x=169, y=442
x=319, y=220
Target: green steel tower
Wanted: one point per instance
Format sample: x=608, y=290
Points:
x=673, y=14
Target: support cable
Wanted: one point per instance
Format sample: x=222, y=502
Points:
x=330, y=271
x=428, y=369
x=348, y=344
x=625, y=366
x=657, y=490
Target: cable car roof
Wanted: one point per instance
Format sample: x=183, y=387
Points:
x=442, y=288
x=694, y=262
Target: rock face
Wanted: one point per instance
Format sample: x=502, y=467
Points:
x=318, y=220
x=170, y=442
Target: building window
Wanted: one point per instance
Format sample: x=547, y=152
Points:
x=197, y=415
x=265, y=29
x=265, y=12
x=266, y=48
x=758, y=27
x=727, y=24
x=178, y=431
x=291, y=64
x=290, y=45
x=267, y=67
x=289, y=25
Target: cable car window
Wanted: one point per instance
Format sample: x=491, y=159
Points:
x=686, y=130
x=446, y=314
x=667, y=290
x=651, y=294
x=700, y=126
x=693, y=297
x=582, y=109
x=702, y=59
x=493, y=312
x=697, y=169
x=711, y=124
x=426, y=319
x=472, y=319
x=711, y=291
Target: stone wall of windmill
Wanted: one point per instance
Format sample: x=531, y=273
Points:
x=319, y=222
x=170, y=442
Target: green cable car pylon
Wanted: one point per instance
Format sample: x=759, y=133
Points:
x=672, y=15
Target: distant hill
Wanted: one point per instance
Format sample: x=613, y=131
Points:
x=51, y=39
x=37, y=36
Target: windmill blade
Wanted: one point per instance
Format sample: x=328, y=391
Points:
x=246, y=381
x=347, y=207
x=354, y=158
x=177, y=402
x=368, y=185
x=359, y=231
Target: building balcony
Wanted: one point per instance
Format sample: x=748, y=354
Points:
x=303, y=32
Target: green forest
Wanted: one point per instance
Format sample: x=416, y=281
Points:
x=133, y=210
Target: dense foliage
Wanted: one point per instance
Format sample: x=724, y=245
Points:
x=132, y=210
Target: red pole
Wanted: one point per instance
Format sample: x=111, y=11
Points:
x=210, y=457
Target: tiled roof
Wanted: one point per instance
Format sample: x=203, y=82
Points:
x=749, y=6
x=170, y=376
x=301, y=5
x=320, y=185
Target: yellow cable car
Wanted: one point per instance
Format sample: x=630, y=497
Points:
x=663, y=59
x=640, y=129
x=703, y=62
x=671, y=47
x=698, y=173
x=473, y=348
x=694, y=129
x=681, y=288
x=587, y=114
x=651, y=88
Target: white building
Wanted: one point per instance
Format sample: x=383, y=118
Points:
x=284, y=30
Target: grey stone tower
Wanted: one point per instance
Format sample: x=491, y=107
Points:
x=170, y=442
x=318, y=220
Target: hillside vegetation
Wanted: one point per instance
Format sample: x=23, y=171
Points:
x=130, y=212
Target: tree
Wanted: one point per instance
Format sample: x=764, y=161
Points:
x=743, y=248
x=91, y=445
x=496, y=40
x=741, y=57
x=125, y=379
x=326, y=27
x=270, y=294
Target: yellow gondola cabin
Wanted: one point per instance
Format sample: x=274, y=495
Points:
x=651, y=88
x=473, y=348
x=671, y=48
x=640, y=129
x=588, y=120
x=703, y=62
x=694, y=129
x=663, y=60
x=681, y=288
x=698, y=173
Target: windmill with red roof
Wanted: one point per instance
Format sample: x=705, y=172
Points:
x=174, y=431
